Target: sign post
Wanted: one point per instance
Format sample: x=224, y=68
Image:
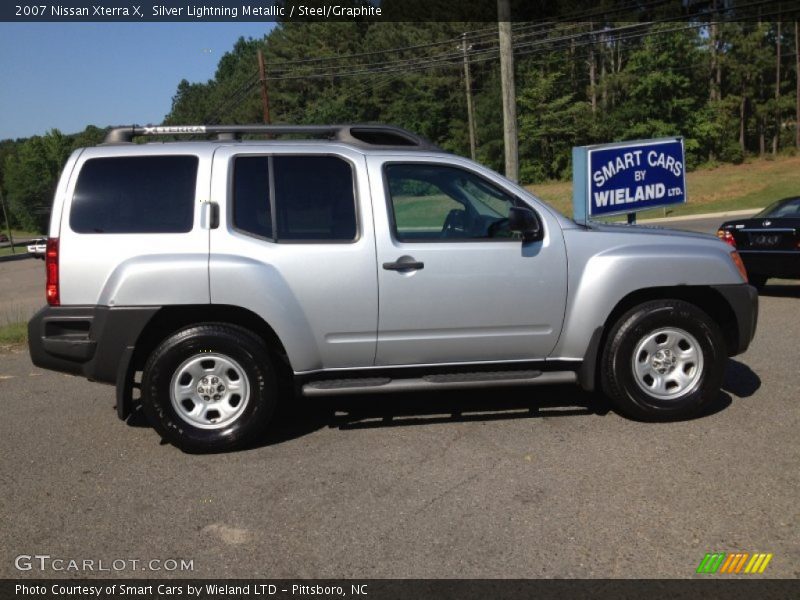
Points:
x=627, y=177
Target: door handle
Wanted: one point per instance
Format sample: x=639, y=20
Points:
x=404, y=263
x=209, y=217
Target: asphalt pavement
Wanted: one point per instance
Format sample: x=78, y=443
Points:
x=528, y=482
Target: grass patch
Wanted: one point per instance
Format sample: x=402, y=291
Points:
x=421, y=211
x=13, y=333
x=21, y=234
x=18, y=234
x=724, y=188
x=6, y=251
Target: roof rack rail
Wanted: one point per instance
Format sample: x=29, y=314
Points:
x=385, y=136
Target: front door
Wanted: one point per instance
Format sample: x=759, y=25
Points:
x=455, y=285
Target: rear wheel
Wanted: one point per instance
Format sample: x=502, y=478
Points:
x=664, y=360
x=209, y=387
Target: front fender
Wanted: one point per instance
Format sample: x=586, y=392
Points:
x=600, y=278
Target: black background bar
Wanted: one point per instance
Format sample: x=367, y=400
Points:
x=708, y=588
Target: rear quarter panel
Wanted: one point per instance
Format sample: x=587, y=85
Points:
x=134, y=269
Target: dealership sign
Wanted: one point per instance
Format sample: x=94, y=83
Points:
x=613, y=179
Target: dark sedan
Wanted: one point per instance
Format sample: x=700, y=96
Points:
x=769, y=242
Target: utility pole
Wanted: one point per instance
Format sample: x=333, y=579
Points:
x=509, y=93
x=262, y=76
x=468, y=85
x=8, y=223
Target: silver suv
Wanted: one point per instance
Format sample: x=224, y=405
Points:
x=202, y=277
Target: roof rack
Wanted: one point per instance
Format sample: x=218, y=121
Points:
x=372, y=136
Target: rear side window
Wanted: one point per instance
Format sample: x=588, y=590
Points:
x=310, y=198
x=135, y=194
x=251, y=204
x=314, y=198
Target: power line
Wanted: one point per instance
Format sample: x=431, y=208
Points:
x=519, y=29
x=448, y=58
x=488, y=32
x=530, y=39
x=452, y=59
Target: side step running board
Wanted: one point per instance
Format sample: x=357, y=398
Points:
x=448, y=381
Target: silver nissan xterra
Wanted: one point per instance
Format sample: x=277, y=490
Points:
x=207, y=279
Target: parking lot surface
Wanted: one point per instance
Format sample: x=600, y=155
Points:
x=528, y=482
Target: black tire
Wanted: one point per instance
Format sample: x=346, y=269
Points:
x=758, y=281
x=210, y=346
x=632, y=331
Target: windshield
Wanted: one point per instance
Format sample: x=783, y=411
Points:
x=486, y=199
x=788, y=208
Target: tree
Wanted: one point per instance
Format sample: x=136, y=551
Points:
x=551, y=122
x=31, y=176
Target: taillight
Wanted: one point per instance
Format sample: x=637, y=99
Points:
x=727, y=237
x=737, y=260
x=51, y=266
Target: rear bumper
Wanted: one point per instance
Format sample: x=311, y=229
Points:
x=772, y=264
x=94, y=341
x=743, y=300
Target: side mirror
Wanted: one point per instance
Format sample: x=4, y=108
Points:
x=526, y=222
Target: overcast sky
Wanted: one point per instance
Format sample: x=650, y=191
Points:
x=70, y=75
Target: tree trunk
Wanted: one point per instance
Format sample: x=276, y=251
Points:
x=797, y=84
x=573, y=81
x=592, y=83
x=616, y=67
x=742, y=106
x=719, y=77
x=712, y=41
x=776, y=137
x=603, y=82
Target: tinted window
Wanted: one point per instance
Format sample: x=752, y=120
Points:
x=314, y=198
x=787, y=209
x=437, y=202
x=136, y=194
x=251, y=210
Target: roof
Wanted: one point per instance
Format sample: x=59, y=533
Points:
x=360, y=135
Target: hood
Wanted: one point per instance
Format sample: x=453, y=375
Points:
x=623, y=228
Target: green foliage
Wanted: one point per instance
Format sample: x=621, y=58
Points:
x=717, y=90
x=732, y=153
x=30, y=177
x=609, y=89
x=551, y=123
x=29, y=173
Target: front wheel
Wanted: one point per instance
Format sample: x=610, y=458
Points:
x=209, y=388
x=664, y=360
